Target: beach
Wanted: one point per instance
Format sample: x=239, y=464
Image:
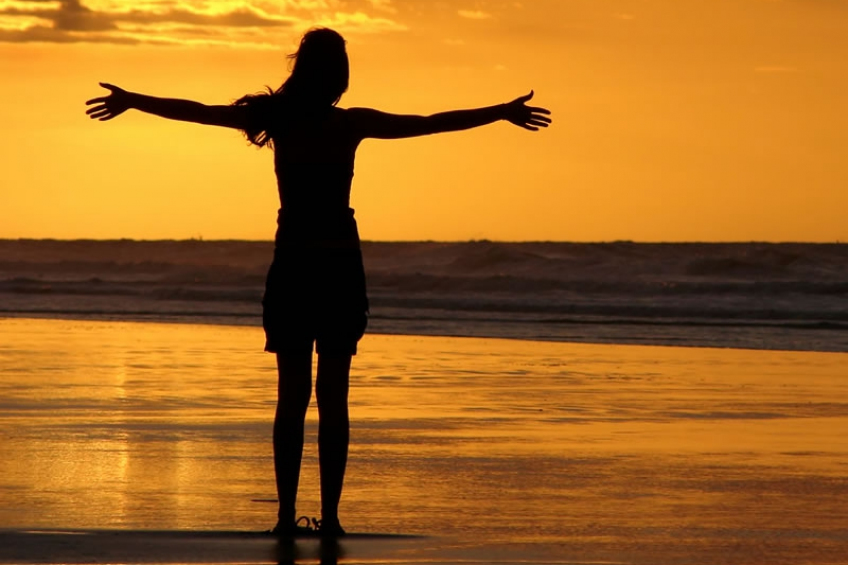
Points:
x=490, y=450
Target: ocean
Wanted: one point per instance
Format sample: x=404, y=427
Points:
x=787, y=296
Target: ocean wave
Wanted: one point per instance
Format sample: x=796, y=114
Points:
x=211, y=284
x=550, y=284
x=158, y=291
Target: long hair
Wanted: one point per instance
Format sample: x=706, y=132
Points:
x=320, y=75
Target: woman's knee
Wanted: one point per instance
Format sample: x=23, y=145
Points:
x=332, y=382
x=294, y=387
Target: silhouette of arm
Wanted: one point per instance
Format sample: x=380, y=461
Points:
x=381, y=125
x=119, y=101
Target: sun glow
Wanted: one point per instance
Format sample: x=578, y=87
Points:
x=669, y=122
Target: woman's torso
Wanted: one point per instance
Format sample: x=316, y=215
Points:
x=314, y=160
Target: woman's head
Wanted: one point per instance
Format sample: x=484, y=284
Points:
x=319, y=77
x=321, y=71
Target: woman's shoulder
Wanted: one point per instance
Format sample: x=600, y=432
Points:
x=346, y=113
x=359, y=121
x=357, y=112
x=346, y=120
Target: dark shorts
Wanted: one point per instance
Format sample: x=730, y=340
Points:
x=315, y=295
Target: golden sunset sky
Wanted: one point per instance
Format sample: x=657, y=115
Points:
x=674, y=120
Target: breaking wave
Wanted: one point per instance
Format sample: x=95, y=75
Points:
x=531, y=290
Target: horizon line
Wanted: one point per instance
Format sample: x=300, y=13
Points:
x=419, y=241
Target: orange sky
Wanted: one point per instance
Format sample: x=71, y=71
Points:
x=674, y=119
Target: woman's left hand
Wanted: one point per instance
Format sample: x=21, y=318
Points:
x=107, y=107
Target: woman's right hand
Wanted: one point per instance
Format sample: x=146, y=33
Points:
x=111, y=106
x=528, y=117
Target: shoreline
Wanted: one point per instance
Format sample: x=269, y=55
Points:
x=224, y=320
x=782, y=296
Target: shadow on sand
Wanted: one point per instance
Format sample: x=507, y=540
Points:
x=147, y=546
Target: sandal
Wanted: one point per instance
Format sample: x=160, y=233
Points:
x=296, y=529
x=328, y=530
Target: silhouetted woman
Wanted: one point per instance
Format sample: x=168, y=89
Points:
x=315, y=290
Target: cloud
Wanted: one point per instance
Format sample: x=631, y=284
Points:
x=73, y=16
x=22, y=22
x=361, y=22
x=474, y=14
x=172, y=22
x=242, y=17
x=28, y=6
x=50, y=34
x=383, y=5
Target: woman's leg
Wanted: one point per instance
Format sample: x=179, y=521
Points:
x=293, y=391
x=331, y=390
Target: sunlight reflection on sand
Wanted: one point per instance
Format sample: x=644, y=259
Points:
x=511, y=449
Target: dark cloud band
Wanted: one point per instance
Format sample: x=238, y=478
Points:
x=71, y=22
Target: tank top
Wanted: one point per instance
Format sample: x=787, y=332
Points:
x=315, y=205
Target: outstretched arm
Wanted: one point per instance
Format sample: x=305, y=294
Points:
x=381, y=125
x=119, y=101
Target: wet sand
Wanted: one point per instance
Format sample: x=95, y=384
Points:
x=495, y=451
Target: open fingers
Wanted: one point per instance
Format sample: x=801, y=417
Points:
x=537, y=110
x=101, y=113
x=536, y=116
x=534, y=121
x=98, y=112
x=96, y=100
